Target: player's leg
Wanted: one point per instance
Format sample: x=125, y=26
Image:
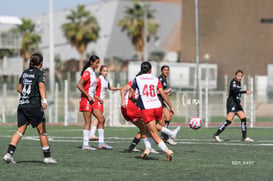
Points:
x=8, y=157
x=86, y=130
x=92, y=134
x=167, y=131
x=141, y=134
x=94, y=125
x=41, y=128
x=167, y=116
x=227, y=122
x=98, y=114
x=242, y=117
x=151, y=126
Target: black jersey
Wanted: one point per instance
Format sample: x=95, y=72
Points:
x=30, y=95
x=165, y=86
x=235, y=92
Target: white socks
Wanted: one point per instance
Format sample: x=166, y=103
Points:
x=85, y=137
x=166, y=131
x=162, y=146
x=147, y=143
x=93, y=130
x=101, y=135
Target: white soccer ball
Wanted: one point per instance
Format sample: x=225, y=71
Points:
x=195, y=123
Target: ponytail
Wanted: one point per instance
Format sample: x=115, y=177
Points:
x=92, y=59
x=144, y=68
x=35, y=60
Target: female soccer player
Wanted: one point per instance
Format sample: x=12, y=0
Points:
x=132, y=113
x=151, y=108
x=101, y=88
x=234, y=107
x=31, y=107
x=88, y=105
x=167, y=115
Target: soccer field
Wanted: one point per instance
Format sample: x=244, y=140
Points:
x=197, y=156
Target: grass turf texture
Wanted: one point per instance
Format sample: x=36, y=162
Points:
x=197, y=156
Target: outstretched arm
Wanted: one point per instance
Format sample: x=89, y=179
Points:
x=166, y=99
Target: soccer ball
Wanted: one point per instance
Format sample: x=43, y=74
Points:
x=195, y=123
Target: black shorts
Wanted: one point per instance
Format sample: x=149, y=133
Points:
x=33, y=116
x=233, y=107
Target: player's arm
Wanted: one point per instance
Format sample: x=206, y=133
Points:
x=42, y=91
x=113, y=88
x=19, y=88
x=80, y=86
x=164, y=96
x=131, y=97
x=122, y=94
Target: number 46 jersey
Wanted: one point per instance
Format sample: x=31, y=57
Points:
x=147, y=86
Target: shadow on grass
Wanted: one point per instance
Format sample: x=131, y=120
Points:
x=30, y=161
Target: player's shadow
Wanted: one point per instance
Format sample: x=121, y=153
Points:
x=30, y=161
x=149, y=158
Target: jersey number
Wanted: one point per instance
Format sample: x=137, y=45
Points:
x=149, y=91
x=26, y=90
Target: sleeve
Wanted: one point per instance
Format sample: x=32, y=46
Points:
x=161, y=79
x=130, y=83
x=98, y=82
x=42, y=77
x=86, y=76
x=134, y=84
x=159, y=85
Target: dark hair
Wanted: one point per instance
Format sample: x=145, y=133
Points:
x=145, y=68
x=101, y=67
x=35, y=60
x=92, y=59
x=164, y=66
x=239, y=71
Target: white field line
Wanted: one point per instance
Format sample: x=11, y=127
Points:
x=180, y=141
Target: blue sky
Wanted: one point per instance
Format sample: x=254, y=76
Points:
x=26, y=8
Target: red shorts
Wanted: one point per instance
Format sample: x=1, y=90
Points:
x=131, y=115
x=100, y=106
x=85, y=106
x=151, y=114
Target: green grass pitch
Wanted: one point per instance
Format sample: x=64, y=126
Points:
x=196, y=157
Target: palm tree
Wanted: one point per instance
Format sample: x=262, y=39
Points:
x=81, y=29
x=30, y=40
x=133, y=23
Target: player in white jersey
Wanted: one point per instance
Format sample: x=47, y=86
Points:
x=102, y=86
x=151, y=108
x=88, y=105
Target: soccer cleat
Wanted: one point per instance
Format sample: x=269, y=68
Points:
x=93, y=138
x=153, y=151
x=49, y=160
x=169, y=155
x=248, y=139
x=102, y=146
x=88, y=148
x=217, y=138
x=171, y=141
x=8, y=158
x=145, y=154
x=134, y=150
x=175, y=131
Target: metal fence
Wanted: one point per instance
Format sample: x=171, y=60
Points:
x=64, y=104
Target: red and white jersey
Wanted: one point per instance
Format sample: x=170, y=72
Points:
x=147, y=85
x=102, y=86
x=128, y=102
x=90, y=78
